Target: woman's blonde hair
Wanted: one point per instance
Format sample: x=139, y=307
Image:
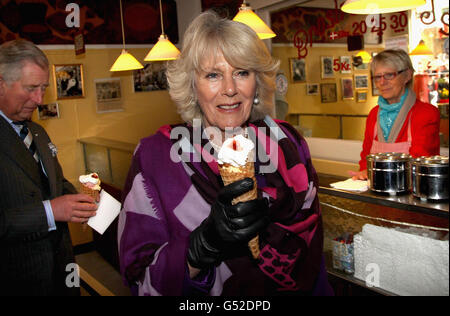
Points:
x=395, y=58
x=207, y=36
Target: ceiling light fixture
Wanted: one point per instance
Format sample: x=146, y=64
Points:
x=421, y=50
x=125, y=61
x=248, y=17
x=379, y=6
x=163, y=49
x=365, y=56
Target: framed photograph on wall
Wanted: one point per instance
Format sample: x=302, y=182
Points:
x=361, y=82
x=298, y=70
x=312, y=89
x=347, y=88
x=361, y=96
x=48, y=111
x=150, y=78
x=108, y=95
x=328, y=92
x=358, y=64
x=68, y=81
x=326, y=65
x=345, y=64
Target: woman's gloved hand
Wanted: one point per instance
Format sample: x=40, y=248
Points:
x=227, y=227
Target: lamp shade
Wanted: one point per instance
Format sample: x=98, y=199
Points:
x=365, y=56
x=162, y=50
x=379, y=6
x=421, y=49
x=126, y=61
x=247, y=16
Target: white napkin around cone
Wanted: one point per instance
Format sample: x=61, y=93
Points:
x=351, y=185
x=107, y=211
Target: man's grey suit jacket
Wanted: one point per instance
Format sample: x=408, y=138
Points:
x=32, y=259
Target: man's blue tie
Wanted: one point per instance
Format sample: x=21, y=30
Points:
x=27, y=139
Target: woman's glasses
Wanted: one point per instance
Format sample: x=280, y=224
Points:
x=387, y=75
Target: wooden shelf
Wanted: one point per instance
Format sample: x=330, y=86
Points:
x=100, y=276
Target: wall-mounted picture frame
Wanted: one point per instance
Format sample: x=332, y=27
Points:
x=347, y=88
x=108, y=89
x=361, y=82
x=312, y=89
x=358, y=64
x=48, y=111
x=150, y=78
x=326, y=66
x=298, y=70
x=361, y=96
x=345, y=64
x=328, y=92
x=69, y=82
x=108, y=95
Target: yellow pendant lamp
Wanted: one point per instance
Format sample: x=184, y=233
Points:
x=247, y=16
x=379, y=6
x=421, y=49
x=125, y=61
x=163, y=49
x=365, y=56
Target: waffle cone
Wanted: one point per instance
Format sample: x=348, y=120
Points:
x=90, y=192
x=230, y=174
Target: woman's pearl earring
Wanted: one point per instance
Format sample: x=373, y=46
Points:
x=256, y=100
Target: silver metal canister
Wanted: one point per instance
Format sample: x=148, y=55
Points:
x=389, y=172
x=430, y=178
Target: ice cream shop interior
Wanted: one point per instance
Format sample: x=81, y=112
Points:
x=384, y=231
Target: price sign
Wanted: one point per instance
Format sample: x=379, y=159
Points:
x=378, y=24
x=341, y=65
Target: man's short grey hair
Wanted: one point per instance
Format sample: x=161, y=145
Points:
x=15, y=54
x=209, y=36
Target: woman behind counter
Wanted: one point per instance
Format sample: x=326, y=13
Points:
x=400, y=122
x=179, y=234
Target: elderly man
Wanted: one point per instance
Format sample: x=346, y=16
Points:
x=36, y=201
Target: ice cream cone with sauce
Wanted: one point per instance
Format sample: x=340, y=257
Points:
x=90, y=185
x=235, y=163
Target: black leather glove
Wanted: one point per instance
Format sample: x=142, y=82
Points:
x=227, y=227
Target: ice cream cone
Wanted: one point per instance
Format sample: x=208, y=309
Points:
x=230, y=174
x=90, y=185
x=90, y=192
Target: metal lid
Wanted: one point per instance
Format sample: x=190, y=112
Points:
x=387, y=157
x=437, y=161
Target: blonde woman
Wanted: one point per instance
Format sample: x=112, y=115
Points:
x=179, y=233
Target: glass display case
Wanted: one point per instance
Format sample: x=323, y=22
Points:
x=350, y=214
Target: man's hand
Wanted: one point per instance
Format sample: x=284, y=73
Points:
x=75, y=208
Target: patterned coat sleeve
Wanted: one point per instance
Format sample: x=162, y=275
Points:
x=146, y=245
